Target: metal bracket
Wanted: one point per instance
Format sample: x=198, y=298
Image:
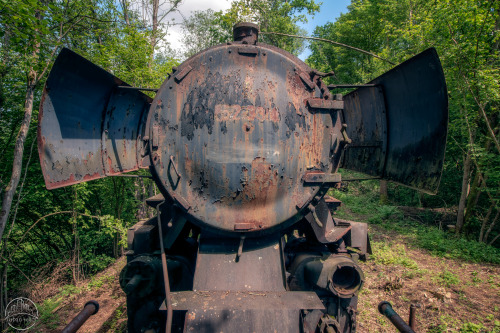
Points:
x=325, y=104
x=343, y=131
x=307, y=80
x=248, y=50
x=321, y=178
x=182, y=74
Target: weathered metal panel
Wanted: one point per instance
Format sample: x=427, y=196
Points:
x=416, y=107
x=258, y=268
x=366, y=121
x=70, y=130
x=243, y=321
x=122, y=137
x=244, y=300
x=232, y=139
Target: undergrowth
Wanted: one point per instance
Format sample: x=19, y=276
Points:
x=361, y=203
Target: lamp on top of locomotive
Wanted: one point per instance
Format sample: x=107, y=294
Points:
x=243, y=141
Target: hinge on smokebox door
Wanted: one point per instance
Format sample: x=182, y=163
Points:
x=321, y=104
x=315, y=178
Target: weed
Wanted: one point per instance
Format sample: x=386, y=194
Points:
x=392, y=254
x=47, y=315
x=494, y=281
x=414, y=273
x=475, y=280
x=446, y=278
x=95, y=283
x=362, y=204
x=437, y=329
x=69, y=290
x=384, y=213
x=404, y=298
x=472, y=328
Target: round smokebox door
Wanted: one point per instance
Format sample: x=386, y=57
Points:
x=232, y=137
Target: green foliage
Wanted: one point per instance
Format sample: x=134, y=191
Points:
x=443, y=244
x=448, y=323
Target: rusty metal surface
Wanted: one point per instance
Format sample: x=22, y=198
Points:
x=90, y=308
x=88, y=128
x=232, y=139
x=359, y=235
x=386, y=309
x=246, y=32
x=325, y=228
x=258, y=268
x=321, y=103
x=416, y=111
x=321, y=178
x=243, y=321
x=412, y=322
x=241, y=300
x=367, y=127
x=242, y=288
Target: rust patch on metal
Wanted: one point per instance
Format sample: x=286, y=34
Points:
x=248, y=112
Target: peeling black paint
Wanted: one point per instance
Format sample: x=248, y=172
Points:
x=292, y=119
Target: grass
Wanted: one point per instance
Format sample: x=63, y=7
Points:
x=392, y=254
x=361, y=203
x=446, y=279
x=450, y=324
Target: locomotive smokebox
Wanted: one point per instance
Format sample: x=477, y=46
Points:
x=243, y=141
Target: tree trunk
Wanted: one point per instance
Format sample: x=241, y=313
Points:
x=10, y=190
x=485, y=221
x=494, y=239
x=485, y=239
x=32, y=81
x=464, y=193
x=124, y=4
x=476, y=189
x=154, y=30
x=384, y=197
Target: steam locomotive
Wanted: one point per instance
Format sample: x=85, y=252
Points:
x=243, y=141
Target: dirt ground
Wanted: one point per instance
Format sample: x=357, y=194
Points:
x=112, y=314
x=451, y=295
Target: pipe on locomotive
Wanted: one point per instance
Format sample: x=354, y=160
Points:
x=386, y=309
x=90, y=309
x=338, y=274
x=166, y=282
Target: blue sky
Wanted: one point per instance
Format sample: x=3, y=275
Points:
x=329, y=12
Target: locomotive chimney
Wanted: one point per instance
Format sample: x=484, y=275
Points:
x=246, y=32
